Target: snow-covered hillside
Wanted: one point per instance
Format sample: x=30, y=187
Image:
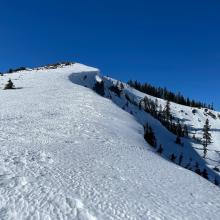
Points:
x=68, y=153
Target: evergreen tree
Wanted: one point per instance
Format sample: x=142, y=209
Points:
x=205, y=174
x=99, y=88
x=149, y=136
x=178, y=140
x=160, y=113
x=180, y=159
x=160, y=149
x=172, y=157
x=216, y=181
x=197, y=170
x=207, y=138
x=9, y=85
x=185, y=131
x=167, y=112
x=139, y=105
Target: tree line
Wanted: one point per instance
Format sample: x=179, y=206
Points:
x=164, y=115
x=164, y=93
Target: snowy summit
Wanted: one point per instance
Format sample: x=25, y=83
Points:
x=73, y=146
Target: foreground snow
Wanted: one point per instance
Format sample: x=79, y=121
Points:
x=67, y=153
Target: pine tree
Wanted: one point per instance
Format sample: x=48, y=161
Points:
x=185, y=130
x=160, y=113
x=180, y=159
x=149, y=136
x=197, y=170
x=99, y=88
x=216, y=181
x=160, y=149
x=178, y=140
x=207, y=138
x=9, y=85
x=179, y=129
x=139, y=105
x=205, y=174
x=172, y=157
x=167, y=112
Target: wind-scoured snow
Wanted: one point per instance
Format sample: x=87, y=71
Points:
x=68, y=153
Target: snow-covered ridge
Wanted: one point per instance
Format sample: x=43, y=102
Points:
x=190, y=154
x=68, y=153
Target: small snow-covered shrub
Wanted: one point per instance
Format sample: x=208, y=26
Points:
x=194, y=111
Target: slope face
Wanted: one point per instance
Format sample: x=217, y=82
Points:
x=189, y=153
x=67, y=153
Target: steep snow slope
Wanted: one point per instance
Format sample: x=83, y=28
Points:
x=68, y=153
x=191, y=151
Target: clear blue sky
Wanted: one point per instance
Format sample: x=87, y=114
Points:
x=167, y=43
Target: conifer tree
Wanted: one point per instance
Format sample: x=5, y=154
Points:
x=197, y=170
x=180, y=159
x=216, y=181
x=178, y=139
x=99, y=88
x=167, y=112
x=185, y=130
x=207, y=138
x=9, y=85
x=172, y=157
x=160, y=149
x=149, y=136
x=205, y=174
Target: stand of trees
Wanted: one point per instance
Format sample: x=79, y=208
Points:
x=17, y=69
x=99, y=88
x=165, y=117
x=164, y=93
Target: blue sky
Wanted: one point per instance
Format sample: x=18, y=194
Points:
x=167, y=43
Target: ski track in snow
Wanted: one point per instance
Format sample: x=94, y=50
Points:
x=67, y=153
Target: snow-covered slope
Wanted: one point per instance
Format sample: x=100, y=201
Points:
x=68, y=153
x=190, y=153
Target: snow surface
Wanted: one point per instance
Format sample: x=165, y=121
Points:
x=191, y=150
x=68, y=153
